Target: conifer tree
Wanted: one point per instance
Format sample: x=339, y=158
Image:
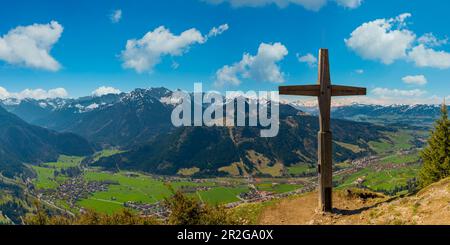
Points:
x=436, y=156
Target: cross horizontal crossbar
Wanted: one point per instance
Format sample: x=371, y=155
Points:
x=314, y=90
x=305, y=90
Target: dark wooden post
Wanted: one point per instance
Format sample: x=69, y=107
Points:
x=324, y=156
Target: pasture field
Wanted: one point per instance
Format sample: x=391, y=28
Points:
x=301, y=169
x=400, y=159
x=394, y=169
x=275, y=171
x=235, y=169
x=342, y=165
x=380, y=180
x=100, y=205
x=277, y=187
x=137, y=187
x=106, y=153
x=45, y=173
x=354, y=148
x=46, y=178
x=131, y=186
x=146, y=189
x=402, y=139
x=126, y=188
x=65, y=162
x=221, y=195
x=389, y=179
x=188, y=171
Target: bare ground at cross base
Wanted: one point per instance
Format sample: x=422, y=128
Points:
x=430, y=206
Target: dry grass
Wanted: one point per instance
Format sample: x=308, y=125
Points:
x=429, y=207
x=233, y=169
x=263, y=164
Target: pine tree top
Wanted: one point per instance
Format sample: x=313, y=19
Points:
x=444, y=109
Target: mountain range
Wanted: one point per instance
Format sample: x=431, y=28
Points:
x=139, y=123
x=413, y=115
x=22, y=143
x=60, y=114
x=108, y=121
x=210, y=149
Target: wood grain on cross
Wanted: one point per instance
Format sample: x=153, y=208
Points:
x=324, y=91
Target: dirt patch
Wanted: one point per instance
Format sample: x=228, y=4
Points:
x=303, y=209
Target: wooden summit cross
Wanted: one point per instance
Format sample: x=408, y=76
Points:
x=324, y=91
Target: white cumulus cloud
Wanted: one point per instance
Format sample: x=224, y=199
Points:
x=416, y=80
x=30, y=46
x=423, y=56
x=145, y=53
x=310, y=59
x=38, y=94
x=116, y=16
x=383, y=39
x=388, y=40
x=260, y=67
x=104, y=90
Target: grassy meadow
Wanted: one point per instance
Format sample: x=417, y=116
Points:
x=396, y=141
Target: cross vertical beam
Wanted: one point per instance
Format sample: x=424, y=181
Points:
x=324, y=91
x=325, y=165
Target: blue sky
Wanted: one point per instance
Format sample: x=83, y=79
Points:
x=398, y=49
